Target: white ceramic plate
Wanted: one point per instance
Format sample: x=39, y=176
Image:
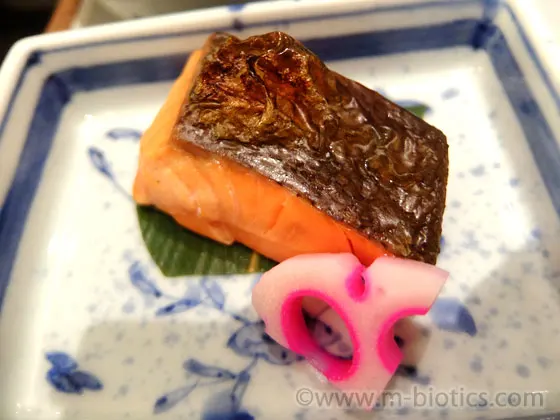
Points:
x=80, y=334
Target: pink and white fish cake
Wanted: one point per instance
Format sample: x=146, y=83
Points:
x=368, y=300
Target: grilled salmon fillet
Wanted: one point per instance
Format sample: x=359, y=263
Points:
x=260, y=143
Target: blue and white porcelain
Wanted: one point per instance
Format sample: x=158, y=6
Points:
x=90, y=328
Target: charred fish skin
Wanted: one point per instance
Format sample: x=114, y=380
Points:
x=271, y=105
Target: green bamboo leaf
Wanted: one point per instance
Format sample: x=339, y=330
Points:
x=180, y=252
x=417, y=108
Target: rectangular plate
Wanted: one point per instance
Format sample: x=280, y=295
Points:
x=80, y=294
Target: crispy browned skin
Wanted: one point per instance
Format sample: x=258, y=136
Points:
x=271, y=105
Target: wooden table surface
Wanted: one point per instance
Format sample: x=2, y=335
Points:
x=63, y=15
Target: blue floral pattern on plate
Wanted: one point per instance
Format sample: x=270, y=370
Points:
x=124, y=133
x=249, y=341
x=452, y=315
x=64, y=375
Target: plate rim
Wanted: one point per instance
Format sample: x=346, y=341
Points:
x=23, y=55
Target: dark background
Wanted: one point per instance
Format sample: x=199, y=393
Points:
x=21, y=18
